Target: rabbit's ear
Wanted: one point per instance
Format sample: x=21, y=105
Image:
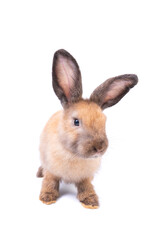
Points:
x=66, y=78
x=112, y=90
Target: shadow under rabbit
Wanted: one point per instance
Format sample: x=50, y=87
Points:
x=67, y=189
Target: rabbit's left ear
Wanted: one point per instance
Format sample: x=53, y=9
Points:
x=112, y=90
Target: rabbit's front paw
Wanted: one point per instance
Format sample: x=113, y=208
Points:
x=48, y=197
x=90, y=202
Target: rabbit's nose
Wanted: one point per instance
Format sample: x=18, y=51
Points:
x=99, y=147
x=97, y=150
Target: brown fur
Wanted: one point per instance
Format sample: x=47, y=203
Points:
x=69, y=152
x=86, y=194
x=58, y=156
x=40, y=172
x=50, y=188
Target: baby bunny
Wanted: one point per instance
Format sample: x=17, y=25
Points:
x=74, y=139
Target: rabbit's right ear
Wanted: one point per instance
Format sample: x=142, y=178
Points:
x=66, y=78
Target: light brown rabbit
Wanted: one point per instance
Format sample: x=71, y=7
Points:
x=74, y=139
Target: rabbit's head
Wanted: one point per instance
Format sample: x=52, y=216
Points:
x=82, y=127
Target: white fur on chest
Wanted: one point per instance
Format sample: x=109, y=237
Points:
x=67, y=166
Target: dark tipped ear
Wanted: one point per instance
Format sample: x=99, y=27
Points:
x=66, y=78
x=111, y=91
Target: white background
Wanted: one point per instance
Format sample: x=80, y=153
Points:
x=107, y=38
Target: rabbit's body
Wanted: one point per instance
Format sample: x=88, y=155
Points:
x=74, y=139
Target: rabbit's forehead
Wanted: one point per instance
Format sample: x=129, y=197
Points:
x=90, y=113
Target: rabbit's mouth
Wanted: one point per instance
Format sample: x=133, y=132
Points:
x=93, y=152
x=97, y=155
x=90, y=154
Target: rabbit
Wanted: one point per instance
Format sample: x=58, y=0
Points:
x=74, y=139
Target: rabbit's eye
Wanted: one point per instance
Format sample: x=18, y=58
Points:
x=76, y=122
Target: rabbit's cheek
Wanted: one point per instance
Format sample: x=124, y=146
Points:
x=69, y=143
x=84, y=148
